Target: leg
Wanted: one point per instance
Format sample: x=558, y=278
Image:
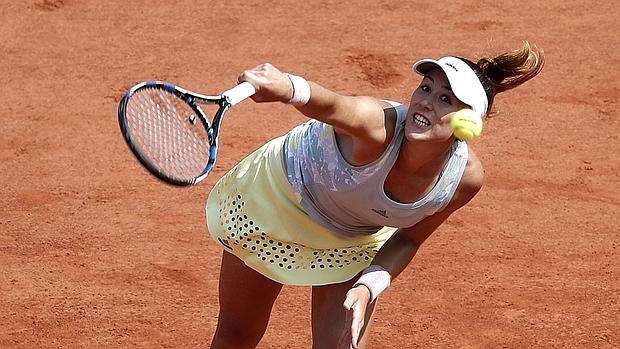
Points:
x=246, y=299
x=329, y=316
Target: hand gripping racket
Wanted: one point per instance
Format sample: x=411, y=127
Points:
x=169, y=133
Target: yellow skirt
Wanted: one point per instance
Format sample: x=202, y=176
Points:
x=254, y=214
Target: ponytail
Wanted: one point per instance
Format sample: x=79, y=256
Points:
x=511, y=69
x=507, y=70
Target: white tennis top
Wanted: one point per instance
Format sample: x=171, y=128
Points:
x=351, y=200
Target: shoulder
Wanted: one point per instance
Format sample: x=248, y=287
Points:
x=371, y=133
x=392, y=109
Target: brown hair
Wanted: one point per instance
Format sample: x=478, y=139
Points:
x=508, y=70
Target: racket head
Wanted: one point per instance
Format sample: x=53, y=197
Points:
x=167, y=132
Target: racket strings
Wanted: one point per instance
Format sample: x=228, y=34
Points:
x=167, y=133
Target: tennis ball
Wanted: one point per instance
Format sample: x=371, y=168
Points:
x=466, y=124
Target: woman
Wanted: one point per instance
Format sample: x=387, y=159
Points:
x=343, y=201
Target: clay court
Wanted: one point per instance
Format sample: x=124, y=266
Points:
x=95, y=253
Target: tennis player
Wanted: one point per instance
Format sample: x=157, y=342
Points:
x=344, y=201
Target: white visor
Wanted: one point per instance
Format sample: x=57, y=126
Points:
x=464, y=83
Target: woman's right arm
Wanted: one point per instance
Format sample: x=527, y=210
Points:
x=361, y=118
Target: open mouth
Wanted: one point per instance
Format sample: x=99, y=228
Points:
x=421, y=120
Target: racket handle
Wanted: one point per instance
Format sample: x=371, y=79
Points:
x=239, y=93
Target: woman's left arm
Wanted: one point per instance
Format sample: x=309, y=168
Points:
x=399, y=250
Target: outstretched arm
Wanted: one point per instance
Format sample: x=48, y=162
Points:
x=361, y=118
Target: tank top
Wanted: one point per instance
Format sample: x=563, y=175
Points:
x=351, y=200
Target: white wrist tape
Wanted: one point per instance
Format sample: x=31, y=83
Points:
x=301, y=90
x=376, y=279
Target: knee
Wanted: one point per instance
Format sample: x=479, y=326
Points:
x=232, y=333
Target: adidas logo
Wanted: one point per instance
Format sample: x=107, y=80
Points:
x=380, y=212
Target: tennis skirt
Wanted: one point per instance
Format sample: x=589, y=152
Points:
x=254, y=214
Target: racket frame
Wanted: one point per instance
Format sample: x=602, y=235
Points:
x=224, y=101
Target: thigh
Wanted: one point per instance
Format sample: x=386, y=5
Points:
x=329, y=315
x=246, y=298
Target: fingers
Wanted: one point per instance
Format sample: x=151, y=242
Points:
x=356, y=325
x=349, y=302
x=256, y=73
x=270, y=83
x=355, y=304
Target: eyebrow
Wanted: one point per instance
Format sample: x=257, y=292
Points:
x=447, y=87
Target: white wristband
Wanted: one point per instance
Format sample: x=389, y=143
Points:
x=376, y=279
x=301, y=90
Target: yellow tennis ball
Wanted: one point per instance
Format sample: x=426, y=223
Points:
x=466, y=124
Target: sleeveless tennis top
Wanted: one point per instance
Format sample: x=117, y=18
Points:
x=351, y=200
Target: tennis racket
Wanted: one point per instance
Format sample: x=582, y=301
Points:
x=167, y=130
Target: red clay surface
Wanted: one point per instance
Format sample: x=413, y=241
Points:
x=94, y=253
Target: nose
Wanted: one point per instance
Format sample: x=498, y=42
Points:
x=426, y=104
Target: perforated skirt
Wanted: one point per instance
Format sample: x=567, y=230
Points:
x=254, y=214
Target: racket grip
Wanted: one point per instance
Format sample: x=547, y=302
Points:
x=238, y=93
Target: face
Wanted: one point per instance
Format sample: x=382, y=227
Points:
x=431, y=108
